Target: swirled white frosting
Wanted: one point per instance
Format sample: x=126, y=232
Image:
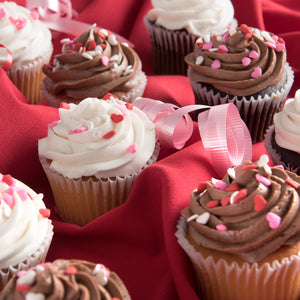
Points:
x=196, y=16
x=99, y=137
x=287, y=124
x=26, y=38
x=22, y=227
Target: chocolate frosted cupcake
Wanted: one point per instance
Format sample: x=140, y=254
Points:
x=66, y=279
x=91, y=66
x=174, y=26
x=247, y=67
x=282, y=139
x=243, y=232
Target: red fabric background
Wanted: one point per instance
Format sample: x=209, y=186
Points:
x=136, y=239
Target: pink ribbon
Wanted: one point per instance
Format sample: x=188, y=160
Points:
x=6, y=58
x=224, y=134
x=58, y=15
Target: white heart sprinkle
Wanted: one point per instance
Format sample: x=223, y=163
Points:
x=114, y=57
x=206, y=38
x=199, y=60
x=104, y=31
x=27, y=278
x=112, y=40
x=231, y=173
x=231, y=31
x=203, y=219
x=267, y=169
x=266, y=35
x=35, y=296
x=193, y=217
x=263, y=160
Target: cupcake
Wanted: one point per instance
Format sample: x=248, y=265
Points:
x=93, y=154
x=66, y=279
x=92, y=65
x=29, y=42
x=241, y=234
x=282, y=138
x=26, y=230
x=247, y=67
x=174, y=27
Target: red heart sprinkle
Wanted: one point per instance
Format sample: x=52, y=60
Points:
x=244, y=28
x=45, y=212
x=8, y=180
x=107, y=96
x=292, y=182
x=247, y=167
x=232, y=188
x=117, y=118
x=248, y=35
x=70, y=51
x=225, y=201
x=109, y=135
x=70, y=270
x=129, y=106
x=91, y=45
x=23, y=287
x=64, y=105
x=201, y=187
x=212, y=204
x=103, y=46
x=240, y=195
x=100, y=34
x=77, y=46
x=259, y=202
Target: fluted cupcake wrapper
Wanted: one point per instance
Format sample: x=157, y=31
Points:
x=257, y=113
x=39, y=256
x=28, y=77
x=169, y=47
x=129, y=97
x=219, y=280
x=81, y=200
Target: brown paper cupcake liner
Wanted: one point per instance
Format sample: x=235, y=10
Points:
x=218, y=280
x=28, y=78
x=79, y=201
x=257, y=113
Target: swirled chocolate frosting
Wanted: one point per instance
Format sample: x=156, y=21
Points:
x=66, y=279
x=241, y=62
x=251, y=212
x=92, y=65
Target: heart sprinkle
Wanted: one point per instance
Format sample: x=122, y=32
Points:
x=273, y=220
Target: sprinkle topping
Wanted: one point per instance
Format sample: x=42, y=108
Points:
x=273, y=220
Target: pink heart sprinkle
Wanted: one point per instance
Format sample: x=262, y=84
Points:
x=253, y=54
x=34, y=15
x=9, y=199
x=264, y=180
x=208, y=45
x=280, y=47
x=221, y=227
x=225, y=36
x=246, y=61
x=132, y=148
x=104, y=60
x=275, y=38
x=271, y=45
x=256, y=73
x=220, y=185
x=22, y=194
x=216, y=64
x=53, y=124
x=2, y=12
x=273, y=219
x=78, y=130
x=223, y=48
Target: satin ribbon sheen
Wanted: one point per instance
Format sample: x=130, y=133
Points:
x=58, y=15
x=224, y=134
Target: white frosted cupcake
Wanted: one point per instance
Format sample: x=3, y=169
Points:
x=174, y=26
x=29, y=42
x=26, y=230
x=93, y=154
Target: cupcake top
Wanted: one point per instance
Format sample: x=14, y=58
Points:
x=92, y=65
x=22, y=33
x=66, y=279
x=99, y=137
x=287, y=124
x=23, y=221
x=241, y=62
x=251, y=212
x=197, y=17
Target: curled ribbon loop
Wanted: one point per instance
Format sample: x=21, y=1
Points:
x=224, y=135
x=58, y=15
x=6, y=58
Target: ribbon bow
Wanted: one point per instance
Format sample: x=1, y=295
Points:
x=224, y=134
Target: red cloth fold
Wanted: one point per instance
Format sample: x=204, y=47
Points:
x=136, y=239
